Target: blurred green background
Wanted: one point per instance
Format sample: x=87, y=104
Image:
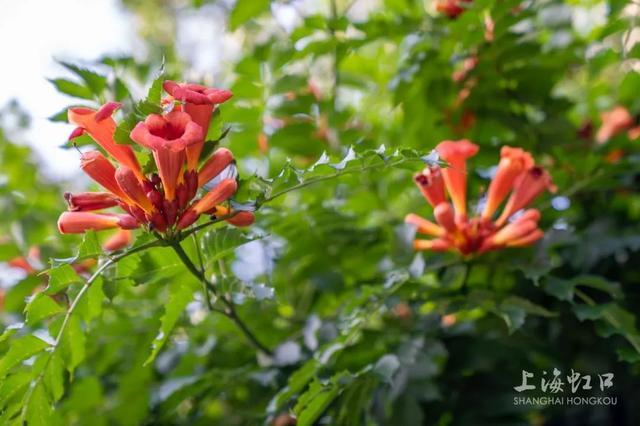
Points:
x=365, y=331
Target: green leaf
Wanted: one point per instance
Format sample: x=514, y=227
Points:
x=222, y=242
x=61, y=277
x=96, y=82
x=40, y=410
x=90, y=306
x=354, y=401
x=14, y=385
x=89, y=247
x=180, y=295
x=245, y=10
x=297, y=381
x=73, y=343
x=10, y=331
x=54, y=377
x=41, y=307
x=599, y=283
x=151, y=104
x=71, y=88
x=313, y=403
x=123, y=129
x=562, y=289
x=60, y=116
x=588, y=312
x=21, y=349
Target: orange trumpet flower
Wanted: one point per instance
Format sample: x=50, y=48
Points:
x=199, y=103
x=516, y=175
x=168, y=136
x=165, y=201
x=102, y=127
x=455, y=176
x=80, y=222
x=513, y=161
x=121, y=239
x=614, y=122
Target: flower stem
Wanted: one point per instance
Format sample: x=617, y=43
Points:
x=230, y=310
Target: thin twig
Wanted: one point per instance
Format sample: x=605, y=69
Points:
x=201, y=264
x=335, y=175
x=229, y=311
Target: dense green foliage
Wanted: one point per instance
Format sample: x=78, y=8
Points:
x=328, y=123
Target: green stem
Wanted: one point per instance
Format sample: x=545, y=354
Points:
x=83, y=290
x=229, y=311
x=335, y=175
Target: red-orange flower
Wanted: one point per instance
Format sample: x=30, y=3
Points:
x=121, y=239
x=455, y=175
x=431, y=184
x=102, y=127
x=513, y=161
x=516, y=175
x=168, y=136
x=166, y=201
x=451, y=8
x=79, y=222
x=199, y=103
x=614, y=122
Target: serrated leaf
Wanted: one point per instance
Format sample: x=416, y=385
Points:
x=222, y=242
x=20, y=349
x=180, y=295
x=297, y=381
x=13, y=386
x=96, y=82
x=599, y=283
x=73, y=343
x=313, y=403
x=41, y=307
x=88, y=248
x=562, y=289
x=39, y=410
x=71, y=88
x=587, y=312
x=53, y=378
x=123, y=130
x=90, y=306
x=61, y=277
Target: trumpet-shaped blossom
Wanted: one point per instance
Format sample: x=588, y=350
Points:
x=614, y=122
x=199, y=102
x=517, y=179
x=102, y=127
x=165, y=200
x=168, y=137
x=455, y=176
x=121, y=239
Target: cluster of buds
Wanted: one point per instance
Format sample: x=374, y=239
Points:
x=167, y=199
x=517, y=177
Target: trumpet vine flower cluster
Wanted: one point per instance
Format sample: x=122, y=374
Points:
x=171, y=196
x=517, y=177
